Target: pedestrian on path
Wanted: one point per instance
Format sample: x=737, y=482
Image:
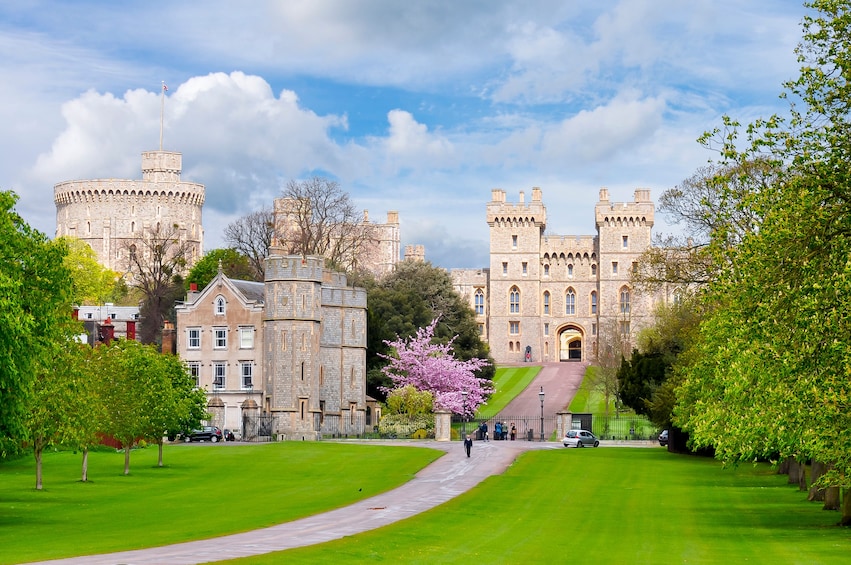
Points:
x=468, y=444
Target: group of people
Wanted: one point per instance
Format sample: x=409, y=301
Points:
x=501, y=431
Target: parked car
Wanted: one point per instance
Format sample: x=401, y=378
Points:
x=206, y=433
x=580, y=438
x=229, y=435
x=663, y=438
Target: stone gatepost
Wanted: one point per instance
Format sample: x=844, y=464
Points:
x=564, y=423
x=216, y=408
x=250, y=417
x=443, y=425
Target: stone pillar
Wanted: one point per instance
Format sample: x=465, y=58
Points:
x=442, y=425
x=564, y=422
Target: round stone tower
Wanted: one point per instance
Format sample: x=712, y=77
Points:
x=109, y=214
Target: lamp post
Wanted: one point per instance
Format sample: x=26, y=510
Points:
x=541, y=396
x=464, y=394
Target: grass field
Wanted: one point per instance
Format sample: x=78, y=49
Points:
x=204, y=491
x=508, y=383
x=607, y=505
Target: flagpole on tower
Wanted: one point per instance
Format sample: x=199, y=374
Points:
x=162, y=113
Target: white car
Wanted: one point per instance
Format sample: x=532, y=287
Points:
x=580, y=438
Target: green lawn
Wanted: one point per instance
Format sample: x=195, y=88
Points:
x=204, y=491
x=607, y=505
x=508, y=382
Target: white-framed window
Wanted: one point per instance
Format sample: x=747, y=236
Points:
x=479, y=299
x=514, y=328
x=514, y=300
x=246, y=372
x=194, y=368
x=570, y=302
x=193, y=338
x=220, y=369
x=220, y=338
x=246, y=337
x=221, y=304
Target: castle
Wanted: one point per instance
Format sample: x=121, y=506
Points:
x=559, y=298
x=111, y=214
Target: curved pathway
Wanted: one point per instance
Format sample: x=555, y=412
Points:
x=446, y=478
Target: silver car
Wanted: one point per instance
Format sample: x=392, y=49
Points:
x=580, y=438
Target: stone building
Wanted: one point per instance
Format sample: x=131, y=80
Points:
x=285, y=358
x=552, y=297
x=109, y=214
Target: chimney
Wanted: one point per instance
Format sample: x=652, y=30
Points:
x=169, y=345
x=106, y=332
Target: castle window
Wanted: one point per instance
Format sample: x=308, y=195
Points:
x=246, y=337
x=570, y=270
x=624, y=300
x=624, y=326
x=194, y=372
x=504, y=268
x=546, y=302
x=219, y=375
x=193, y=338
x=514, y=328
x=546, y=270
x=525, y=268
x=593, y=270
x=625, y=241
x=220, y=338
x=133, y=253
x=481, y=329
x=614, y=267
x=246, y=370
x=593, y=329
x=593, y=301
x=514, y=300
x=479, y=299
x=546, y=329
x=514, y=242
x=321, y=375
x=570, y=302
x=220, y=305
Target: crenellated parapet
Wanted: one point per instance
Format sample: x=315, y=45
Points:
x=521, y=214
x=118, y=190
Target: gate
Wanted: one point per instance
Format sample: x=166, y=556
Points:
x=526, y=428
x=257, y=427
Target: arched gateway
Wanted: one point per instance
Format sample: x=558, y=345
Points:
x=570, y=343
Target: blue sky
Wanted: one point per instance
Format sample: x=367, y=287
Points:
x=419, y=107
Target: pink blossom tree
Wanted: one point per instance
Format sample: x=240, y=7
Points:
x=433, y=367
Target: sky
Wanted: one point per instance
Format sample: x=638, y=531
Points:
x=421, y=107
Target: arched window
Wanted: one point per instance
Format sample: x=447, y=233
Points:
x=514, y=300
x=570, y=302
x=480, y=302
x=546, y=270
x=624, y=300
x=220, y=305
x=593, y=301
x=593, y=270
x=570, y=270
x=546, y=303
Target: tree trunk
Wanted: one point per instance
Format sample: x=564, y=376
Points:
x=85, y=475
x=783, y=468
x=38, y=451
x=831, y=499
x=794, y=471
x=816, y=494
x=160, y=459
x=846, y=509
x=127, y=457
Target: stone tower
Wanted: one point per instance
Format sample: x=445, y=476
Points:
x=109, y=214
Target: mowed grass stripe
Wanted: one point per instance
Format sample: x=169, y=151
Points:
x=203, y=491
x=508, y=383
x=607, y=505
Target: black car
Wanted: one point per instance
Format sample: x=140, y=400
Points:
x=663, y=438
x=207, y=433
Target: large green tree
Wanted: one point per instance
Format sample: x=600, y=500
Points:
x=92, y=283
x=768, y=374
x=34, y=304
x=232, y=263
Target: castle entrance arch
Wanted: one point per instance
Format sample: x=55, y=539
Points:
x=570, y=343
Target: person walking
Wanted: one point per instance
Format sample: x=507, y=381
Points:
x=513, y=432
x=468, y=444
x=483, y=429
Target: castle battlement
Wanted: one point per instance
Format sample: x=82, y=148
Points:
x=499, y=212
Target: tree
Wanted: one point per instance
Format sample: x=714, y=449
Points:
x=232, y=263
x=410, y=298
x=432, y=367
x=91, y=282
x=252, y=236
x=316, y=217
x=34, y=292
x=156, y=262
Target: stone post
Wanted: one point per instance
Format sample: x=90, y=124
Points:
x=442, y=425
x=564, y=423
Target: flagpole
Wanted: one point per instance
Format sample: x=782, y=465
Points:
x=162, y=112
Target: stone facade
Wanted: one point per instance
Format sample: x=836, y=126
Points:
x=553, y=297
x=109, y=214
x=307, y=354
